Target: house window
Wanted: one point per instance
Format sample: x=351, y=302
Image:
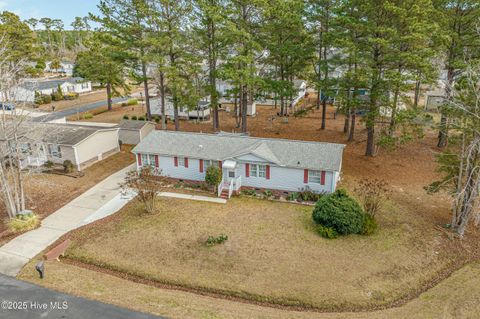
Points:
x=257, y=170
x=70, y=88
x=54, y=150
x=85, y=85
x=181, y=161
x=208, y=163
x=262, y=171
x=231, y=174
x=145, y=160
x=314, y=177
x=151, y=159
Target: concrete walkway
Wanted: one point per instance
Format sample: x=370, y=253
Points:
x=103, y=199
x=194, y=197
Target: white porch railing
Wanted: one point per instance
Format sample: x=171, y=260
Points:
x=238, y=183
x=33, y=161
x=220, y=188
x=230, y=189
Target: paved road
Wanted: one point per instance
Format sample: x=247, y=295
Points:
x=39, y=302
x=77, y=109
x=99, y=201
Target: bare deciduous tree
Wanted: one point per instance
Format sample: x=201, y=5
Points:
x=17, y=136
x=147, y=183
x=460, y=163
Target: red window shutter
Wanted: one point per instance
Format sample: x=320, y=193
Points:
x=305, y=176
x=139, y=159
x=247, y=170
x=156, y=161
x=322, y=180
x=175, y=161
x=201, y=165
x=220, y=164
x=268, y=171
x=186, y=162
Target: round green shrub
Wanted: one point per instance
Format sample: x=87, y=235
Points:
x=369, y=225
x=327, y=232
x=339, y=211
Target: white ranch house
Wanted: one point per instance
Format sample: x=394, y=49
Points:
x=26, y=91
x=246, y=162
x=202, y=111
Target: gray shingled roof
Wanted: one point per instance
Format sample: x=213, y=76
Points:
x=49, y=84
x=220, y=147
x=132, y=124
x=62, y=134
x=71, y=134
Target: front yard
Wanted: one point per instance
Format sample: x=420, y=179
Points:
x=272, y=254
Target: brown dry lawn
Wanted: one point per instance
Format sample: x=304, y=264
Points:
x=48, y=192
x=455, y=297
x=273, y=253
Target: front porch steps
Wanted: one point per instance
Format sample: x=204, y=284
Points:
x=224, y=193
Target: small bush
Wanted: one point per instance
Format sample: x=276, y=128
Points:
x=369, y=225
x=134, y=117
x=71, y=96
x=267, y=194
x=87, y=116
x=339, y=211
x=373, y=194
x=300, y=113
x=293, y=196
x=249, y=192
x=23, y=223
x=211, y=241
x=309, y=196
x=132, y=102
x=48, y=164
x=213, y=176
x=125, y=117
x=46, y=99
x=141, y=118
x=56, y=96
x=68, y=166
x=327, y=232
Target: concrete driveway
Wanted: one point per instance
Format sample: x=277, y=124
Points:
x=39, y=302
x=103, y=199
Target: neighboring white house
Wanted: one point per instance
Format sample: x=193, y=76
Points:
x=65, y=68
x=201, y=112
x=133, y=132
x=300, y=87
x=82, y=145
x=26, y=91
x=246, y=162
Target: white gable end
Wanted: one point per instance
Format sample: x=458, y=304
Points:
x=251, y=158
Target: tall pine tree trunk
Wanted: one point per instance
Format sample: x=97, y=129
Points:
x=244, y=107
x=109, y=96
x=162, y=101
x=443, y=132
x=145, y=88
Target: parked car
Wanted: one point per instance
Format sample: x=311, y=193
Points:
x=7, y=106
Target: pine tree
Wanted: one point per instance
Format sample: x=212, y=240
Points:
x=125, y=22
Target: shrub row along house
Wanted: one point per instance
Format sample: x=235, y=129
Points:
x=246, y=162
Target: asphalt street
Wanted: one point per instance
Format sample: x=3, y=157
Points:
x=22, y=300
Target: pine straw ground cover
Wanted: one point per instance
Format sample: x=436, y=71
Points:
x=272, y=254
